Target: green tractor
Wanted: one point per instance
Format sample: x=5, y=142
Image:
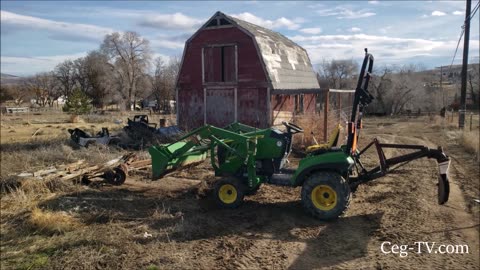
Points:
x=245, y=157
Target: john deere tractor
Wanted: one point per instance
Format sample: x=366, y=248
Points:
x=245, y=157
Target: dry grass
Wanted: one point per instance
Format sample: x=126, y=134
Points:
x=39, y=154
x=436, y=121
x=470, y=140
x=52, y=222
x=35, y=228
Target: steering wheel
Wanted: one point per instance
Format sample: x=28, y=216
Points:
x=293, y=127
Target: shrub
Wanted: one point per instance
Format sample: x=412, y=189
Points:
x=78, y=103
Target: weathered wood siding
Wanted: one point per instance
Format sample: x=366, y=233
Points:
x=247, y=77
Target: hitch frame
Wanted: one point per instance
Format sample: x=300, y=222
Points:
x=383, y=168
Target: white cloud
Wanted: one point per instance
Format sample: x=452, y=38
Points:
x=345, y=13
x=373, y=2
x=271, y=24
x=176, y=21
x=355, y=29
x=385, y=30
x=165, y=43
x=458, y=12
x=57, y=29
x=31, y=65
x=438, y=13
x=315, y=30
x=386, y=48
x=169, y=41
x=165, y=58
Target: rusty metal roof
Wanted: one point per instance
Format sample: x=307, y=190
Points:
x=287, y=64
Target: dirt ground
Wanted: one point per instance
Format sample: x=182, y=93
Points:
x=173, y=223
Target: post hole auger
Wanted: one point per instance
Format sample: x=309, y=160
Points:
x=244, y=158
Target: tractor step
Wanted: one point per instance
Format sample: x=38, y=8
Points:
x=284, y=178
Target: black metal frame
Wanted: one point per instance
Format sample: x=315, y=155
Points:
x=386, y=163
x=361, y=100
x=365, y=175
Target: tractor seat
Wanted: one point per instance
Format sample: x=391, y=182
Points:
x=332, y=141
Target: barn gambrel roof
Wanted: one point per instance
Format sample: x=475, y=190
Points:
x=286, y=63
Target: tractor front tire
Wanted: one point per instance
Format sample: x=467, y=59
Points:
x=325, y=195
x=253, y=191
x=229, y=192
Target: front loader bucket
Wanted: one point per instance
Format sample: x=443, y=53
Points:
x=164, y=159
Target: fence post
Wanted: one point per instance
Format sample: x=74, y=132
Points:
x=471, y=118
x=325, y=116
x=339, y=107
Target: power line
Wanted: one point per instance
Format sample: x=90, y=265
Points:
x=475, y=9
x=458, y=44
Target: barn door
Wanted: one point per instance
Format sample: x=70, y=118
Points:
x=220, y=106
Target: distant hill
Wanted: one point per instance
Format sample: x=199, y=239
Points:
x=6, y=79
x=6, y=76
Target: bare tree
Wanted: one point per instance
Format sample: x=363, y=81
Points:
x=380, y=87
x=129, y=54
x=158, y=81
x=81, y=74
x=65, y=74
x=401, y=89
x=474, y=85
x=143, y=87
x=338, y=74
x=404, y=85
x=93, y=75
x=45, y=88
x=14, y=92
x=163, y=81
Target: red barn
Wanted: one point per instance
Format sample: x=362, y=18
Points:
x=233, y=70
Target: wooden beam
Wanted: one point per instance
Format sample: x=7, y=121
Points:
x=297, y=91
x=341, y=91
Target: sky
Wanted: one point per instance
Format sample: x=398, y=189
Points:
x=37, y=35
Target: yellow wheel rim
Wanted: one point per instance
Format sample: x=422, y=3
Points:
x=227, y=193
x=324, y=197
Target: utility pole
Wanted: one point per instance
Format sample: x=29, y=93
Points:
x=463, y=89
x=441, y=86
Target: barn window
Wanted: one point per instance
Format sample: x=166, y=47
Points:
x=212, y=23
x=219, y=64
x=218, y=21
x=224, y=22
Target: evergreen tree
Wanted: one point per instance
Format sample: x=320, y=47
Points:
x=78, y=103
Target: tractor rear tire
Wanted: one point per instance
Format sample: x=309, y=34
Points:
x=326, y=195
x=229, y=192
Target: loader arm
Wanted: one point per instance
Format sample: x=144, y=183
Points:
x=194, y=146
